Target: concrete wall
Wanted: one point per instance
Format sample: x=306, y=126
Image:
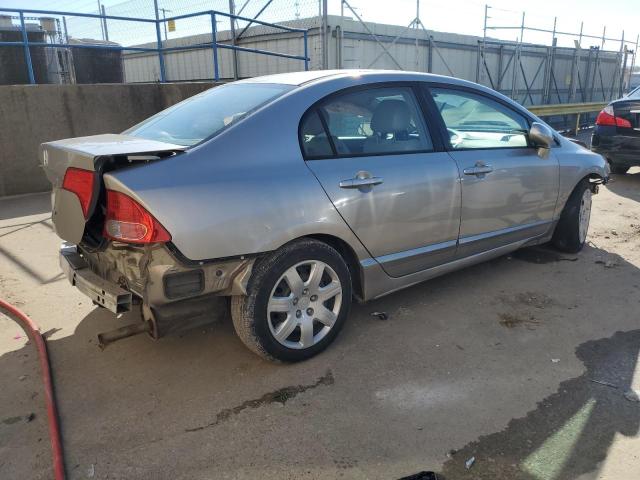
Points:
x=30, y=115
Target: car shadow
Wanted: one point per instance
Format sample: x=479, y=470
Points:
x=121, y=408
x=627, y=185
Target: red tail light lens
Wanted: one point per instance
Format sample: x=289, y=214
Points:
x=127, y=221
x=80, y=182
x=607, y=117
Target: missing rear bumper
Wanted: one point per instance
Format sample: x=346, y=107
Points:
x=103, y=292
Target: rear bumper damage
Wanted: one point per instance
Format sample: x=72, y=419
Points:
x=174, y=295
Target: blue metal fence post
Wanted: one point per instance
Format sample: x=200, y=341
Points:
x=306, y=53
x=159, y=42
x=214, y=44
x=27, y=53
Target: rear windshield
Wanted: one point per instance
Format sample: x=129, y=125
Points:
x=635, y=93
x=202, y=116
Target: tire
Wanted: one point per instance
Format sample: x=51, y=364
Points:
x=571, y=231
x=619, y=169
x=263, y=319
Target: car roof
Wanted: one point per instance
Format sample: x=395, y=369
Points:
x=311, y=76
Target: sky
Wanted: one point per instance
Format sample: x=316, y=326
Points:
x=459, y=16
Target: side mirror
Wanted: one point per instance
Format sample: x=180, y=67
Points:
x=540, y=136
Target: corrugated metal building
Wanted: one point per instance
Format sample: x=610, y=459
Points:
x=532, y=74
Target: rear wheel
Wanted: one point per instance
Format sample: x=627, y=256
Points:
x=571, y=231
x=298, y=300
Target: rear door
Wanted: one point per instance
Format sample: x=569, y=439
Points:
x=383, y=173
x=509, y=191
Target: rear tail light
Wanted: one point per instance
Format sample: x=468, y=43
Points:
x=80, y=182
x=127, y=221
x=607, y=117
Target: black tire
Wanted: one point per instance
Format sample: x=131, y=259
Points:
x=249, y=313
x=619, y=169
x=566, y=237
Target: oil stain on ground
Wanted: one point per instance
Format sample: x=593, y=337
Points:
x=571, y=431
x=281, y=396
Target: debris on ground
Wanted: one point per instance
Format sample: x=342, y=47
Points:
x=510, y=320
x=469, y=463
x=22, y=377
x=555, y=360
x=632, y=395
x=421, y=476
x=380, y=315
x=30, y=417
x=451, y=453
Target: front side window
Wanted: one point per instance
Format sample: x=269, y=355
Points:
x=202, y=116
x=373, y=121
x=475, y=121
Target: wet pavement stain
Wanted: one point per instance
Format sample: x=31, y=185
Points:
x=541, y=256
x=570, y=432
x=281, y=395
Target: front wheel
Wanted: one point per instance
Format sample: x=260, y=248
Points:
x=571, y=231
x=298, y=300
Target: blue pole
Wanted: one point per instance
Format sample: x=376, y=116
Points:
x=159, y=42
x=214, y=43
x=306, y=53
x=27, y=53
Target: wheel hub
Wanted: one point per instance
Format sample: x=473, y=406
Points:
x=304, y=304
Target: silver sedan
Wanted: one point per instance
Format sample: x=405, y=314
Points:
x=292, y=194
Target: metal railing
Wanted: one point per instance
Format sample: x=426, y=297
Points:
x=564, y=109
x=160, y=48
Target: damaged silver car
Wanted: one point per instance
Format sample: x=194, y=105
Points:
x=289, y=195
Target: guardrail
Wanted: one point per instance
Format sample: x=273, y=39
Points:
x=576, y=109
x=160, y=49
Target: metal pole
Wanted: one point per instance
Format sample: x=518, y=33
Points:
x=306, y=52
x=232, y=21
x=624, y=68
x=214, y=44
x=159, y=42
x=104, y=22
x=633, y=58
x=27, y=53
x=164, y=23
x=325, y=39
x=341, y=39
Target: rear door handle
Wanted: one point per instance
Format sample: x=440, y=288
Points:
x=360, y=182
x=478, y=170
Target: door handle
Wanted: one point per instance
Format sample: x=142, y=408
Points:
x=360, y=182
x=478, y=170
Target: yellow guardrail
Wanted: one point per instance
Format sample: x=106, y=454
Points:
x=567, y=109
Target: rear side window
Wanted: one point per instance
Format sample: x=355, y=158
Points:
x=373, y=121
x=315, y=143
x=202, y=116
x=476, y=122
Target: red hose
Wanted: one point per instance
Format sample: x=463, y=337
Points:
x=33, y=332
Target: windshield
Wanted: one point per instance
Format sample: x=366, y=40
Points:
x=201, y=116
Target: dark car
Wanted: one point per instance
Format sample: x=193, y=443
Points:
x=617, y=133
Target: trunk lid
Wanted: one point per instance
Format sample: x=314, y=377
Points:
x=98, y=154
x=628, y=110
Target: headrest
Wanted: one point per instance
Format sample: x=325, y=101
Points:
x=391, y=116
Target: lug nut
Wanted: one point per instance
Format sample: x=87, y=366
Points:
x=295, y=301
x=298, y=313
x=309, y=311
x=305, y=291
x=314, y=298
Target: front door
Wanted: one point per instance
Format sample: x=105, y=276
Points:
x=509, y=191
x=379, y=168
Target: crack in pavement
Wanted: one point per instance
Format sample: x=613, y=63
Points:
x=281, y=395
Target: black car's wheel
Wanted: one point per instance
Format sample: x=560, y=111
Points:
x=618, y=169
x=571, y=231
x=298, y=300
